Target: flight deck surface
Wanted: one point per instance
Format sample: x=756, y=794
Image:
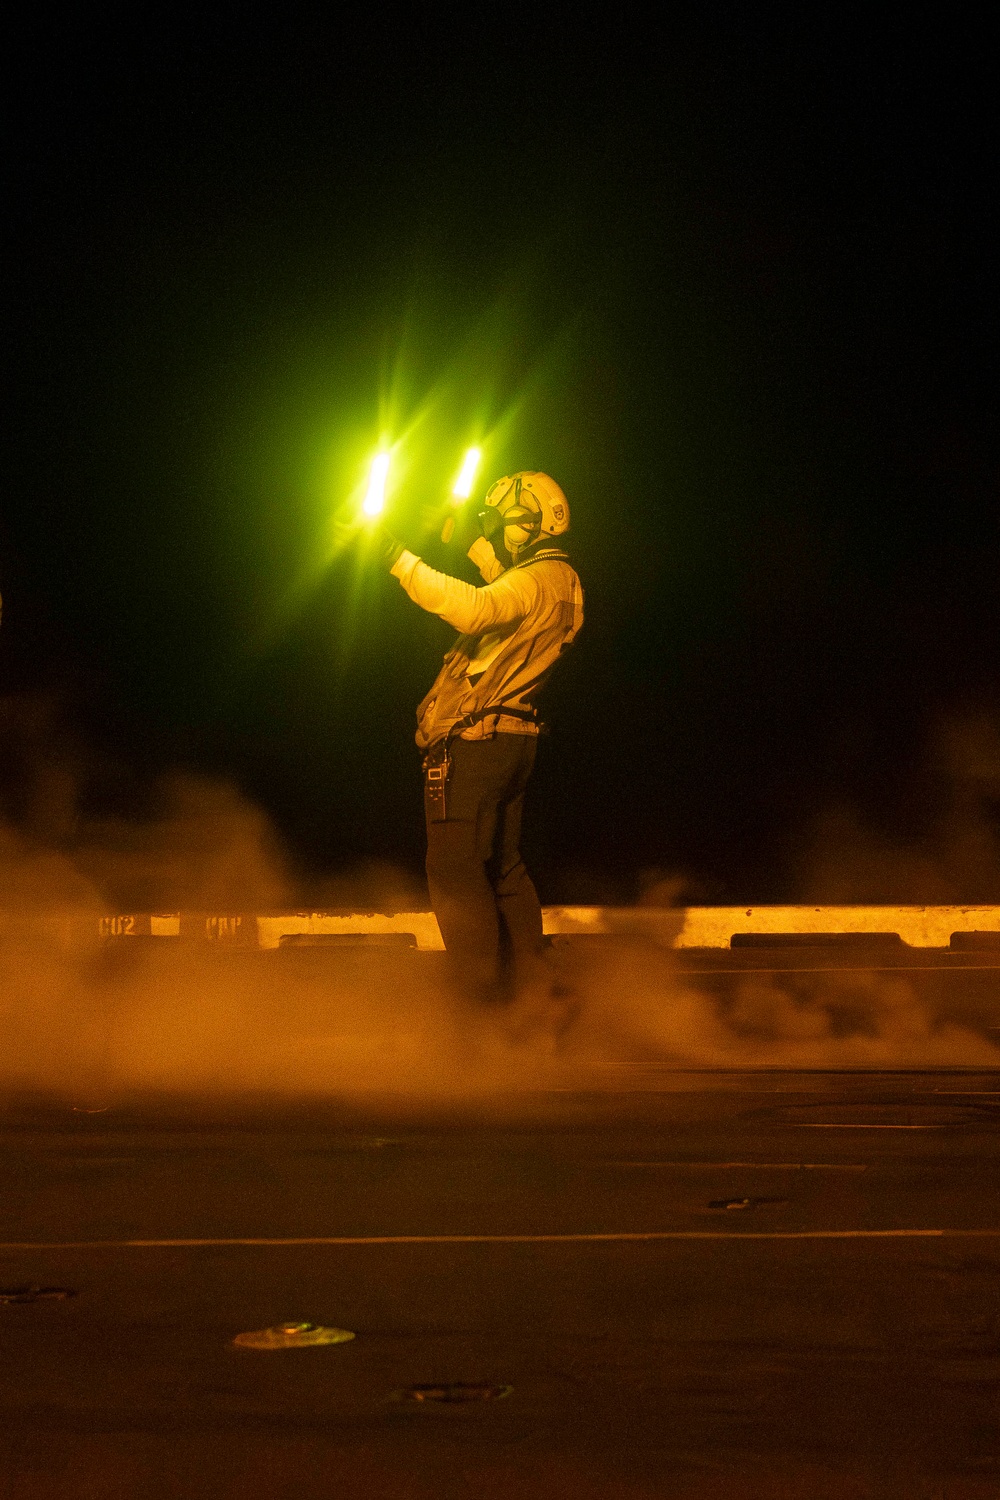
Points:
x=695, y=1283
x=639, y=1260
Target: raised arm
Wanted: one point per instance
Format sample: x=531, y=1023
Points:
x=470, y=610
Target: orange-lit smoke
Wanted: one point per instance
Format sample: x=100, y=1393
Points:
x=92, y=1021
x=952, y=854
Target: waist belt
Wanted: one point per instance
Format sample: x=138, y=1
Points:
x=437, y=757
x=501, y=711
x=498, y=711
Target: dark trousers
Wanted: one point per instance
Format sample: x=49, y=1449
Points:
x=483, y=897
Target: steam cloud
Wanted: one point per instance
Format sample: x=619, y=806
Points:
x=92, y=1021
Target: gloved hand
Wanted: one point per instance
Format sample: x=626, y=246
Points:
x=462, y=528
x=350, y=530
x=390, y=547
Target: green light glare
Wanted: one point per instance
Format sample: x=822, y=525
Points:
x=441, y=416
x=462, y=488
x=374, y=502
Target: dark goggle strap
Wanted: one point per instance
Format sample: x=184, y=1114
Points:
x=492, y=521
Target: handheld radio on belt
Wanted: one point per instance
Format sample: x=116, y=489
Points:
x=437, y=766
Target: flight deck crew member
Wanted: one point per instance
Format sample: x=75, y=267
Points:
x=478, y=726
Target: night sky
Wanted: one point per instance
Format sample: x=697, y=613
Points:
x=729, y=278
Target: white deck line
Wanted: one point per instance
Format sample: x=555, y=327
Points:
x=508, y=1239
x=746, y=1166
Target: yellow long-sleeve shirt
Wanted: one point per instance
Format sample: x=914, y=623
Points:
x=512, y=631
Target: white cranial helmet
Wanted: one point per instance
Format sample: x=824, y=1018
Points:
x=529, y=502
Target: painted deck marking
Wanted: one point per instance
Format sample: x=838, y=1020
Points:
x=760, y=1166
x=642, y=1237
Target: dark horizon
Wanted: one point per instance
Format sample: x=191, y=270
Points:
x=729, y=280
